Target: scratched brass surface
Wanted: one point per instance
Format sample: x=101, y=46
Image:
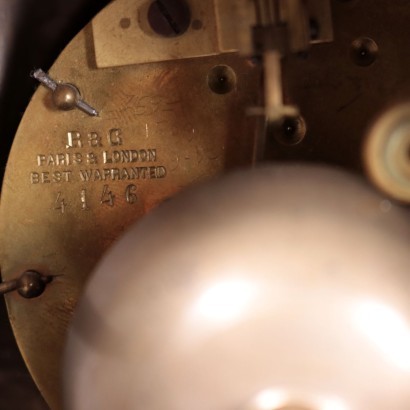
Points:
x=63, y=203
x=146, y=46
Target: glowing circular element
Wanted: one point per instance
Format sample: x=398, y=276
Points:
x=387, y=153
x=289, y=290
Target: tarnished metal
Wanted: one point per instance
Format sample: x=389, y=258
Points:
x=29, y=285
x=65, y=96
x=338, y=99
x=178, y=130
x=123, y=35
x=131, y=32
x=75, y=182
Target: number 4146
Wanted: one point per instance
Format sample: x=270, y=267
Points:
x=107, y=198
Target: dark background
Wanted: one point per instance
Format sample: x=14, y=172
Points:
x=32, y=35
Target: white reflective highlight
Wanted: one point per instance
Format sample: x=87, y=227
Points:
x=275, y=399
x=334, y=404
x=225, y=301
x=270, y=399
x=387, y=330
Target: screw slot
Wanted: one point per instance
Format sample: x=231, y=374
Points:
x=169, y=18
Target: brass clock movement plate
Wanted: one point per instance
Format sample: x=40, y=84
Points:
x=74, y=181
x=135, y=110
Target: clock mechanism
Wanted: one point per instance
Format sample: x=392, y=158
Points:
x=154, y=98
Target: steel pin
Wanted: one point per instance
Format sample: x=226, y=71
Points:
x=65, y=96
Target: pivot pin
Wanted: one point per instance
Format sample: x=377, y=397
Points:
x=65, y=96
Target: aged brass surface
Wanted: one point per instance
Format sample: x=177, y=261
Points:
x=338, y=98
x=216, y=26
x=134, y=41
x=63, y=227
x=70, y=189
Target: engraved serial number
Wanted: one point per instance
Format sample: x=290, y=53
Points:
x=107, y=198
